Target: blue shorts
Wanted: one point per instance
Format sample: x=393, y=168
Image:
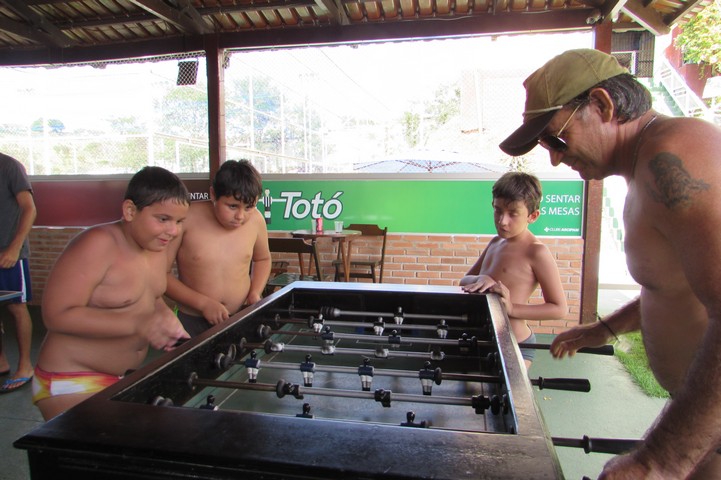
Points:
x=17, y=279
x=529, y=353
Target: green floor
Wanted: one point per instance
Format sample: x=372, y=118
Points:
x=615, y=407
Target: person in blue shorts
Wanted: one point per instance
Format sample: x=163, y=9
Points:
x=17, y=214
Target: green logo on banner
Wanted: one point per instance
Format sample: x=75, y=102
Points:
x=414, y=206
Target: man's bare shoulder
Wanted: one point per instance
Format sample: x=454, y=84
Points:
x=685, y=135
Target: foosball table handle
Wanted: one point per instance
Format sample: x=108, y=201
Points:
x=604, y=350
x=569, y=384
x=613, y=446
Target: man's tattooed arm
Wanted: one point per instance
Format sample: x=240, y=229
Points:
x=674, y=186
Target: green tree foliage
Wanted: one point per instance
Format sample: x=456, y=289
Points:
x=700, y=40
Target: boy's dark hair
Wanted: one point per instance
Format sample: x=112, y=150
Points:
x=239, y=179
x=514, y=186
x=155, y=184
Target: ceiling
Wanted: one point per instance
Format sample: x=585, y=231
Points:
x=41, y=32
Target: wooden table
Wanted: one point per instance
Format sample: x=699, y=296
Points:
x=344, y=252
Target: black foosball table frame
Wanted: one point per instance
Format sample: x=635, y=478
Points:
x=160, y=421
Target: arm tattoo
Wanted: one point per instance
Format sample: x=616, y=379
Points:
x=674, y=185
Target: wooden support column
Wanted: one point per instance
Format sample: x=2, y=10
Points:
x=215, y=61
x=593, y=213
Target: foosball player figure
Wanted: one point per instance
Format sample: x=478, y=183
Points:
x=306, y=412
x=398, y=317
x=307, y=368
x=394, y=339
x=317, y=323
x=467, y=344
x=427, y=376
x=209, y=403
x=365, y=372
x=252, y=365
x=410, y=421
x=379, y=326
x=442, y=329
x=328, y=347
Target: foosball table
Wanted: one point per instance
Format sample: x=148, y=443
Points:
x=318, y=380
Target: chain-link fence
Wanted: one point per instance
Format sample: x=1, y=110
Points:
x=424, y=106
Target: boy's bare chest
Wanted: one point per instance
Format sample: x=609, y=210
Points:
x=216, y=245
x=504, y=262
x=131, y=280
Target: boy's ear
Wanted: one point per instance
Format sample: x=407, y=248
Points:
x=212, y=194
x=129, y=210
x=534, y=216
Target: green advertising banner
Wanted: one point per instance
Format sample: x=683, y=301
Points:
x=414, y=206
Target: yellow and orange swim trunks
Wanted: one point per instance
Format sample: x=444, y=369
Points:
x=51, y=384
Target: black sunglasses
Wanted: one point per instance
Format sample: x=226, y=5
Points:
x=555, y=142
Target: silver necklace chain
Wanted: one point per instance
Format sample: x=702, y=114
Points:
x=638, y=144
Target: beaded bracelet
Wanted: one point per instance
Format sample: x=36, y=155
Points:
x=609, y=328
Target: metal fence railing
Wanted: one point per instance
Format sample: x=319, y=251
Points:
x=686, y=100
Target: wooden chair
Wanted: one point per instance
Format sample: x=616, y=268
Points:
x=366, y=268
x=300, y=247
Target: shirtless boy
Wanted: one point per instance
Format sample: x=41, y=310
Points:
x=515, y=263
x=103, y=302
x=221, y=239
x=673, y=245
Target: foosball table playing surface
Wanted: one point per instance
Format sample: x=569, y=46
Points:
x=319, y=380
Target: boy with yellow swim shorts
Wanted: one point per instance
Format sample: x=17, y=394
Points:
x=103, y=303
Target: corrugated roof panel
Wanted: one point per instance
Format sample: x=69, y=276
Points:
x=408, y=8
x=425, y=7
x=373, y=10
x=305, y=15
x=256, y=20
x=390, y=9
x=289, y=16
x=443, y=7
x=273, y=17
x=354, y=11
x=31, y=34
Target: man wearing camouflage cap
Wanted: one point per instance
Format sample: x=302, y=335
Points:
x=592, y=115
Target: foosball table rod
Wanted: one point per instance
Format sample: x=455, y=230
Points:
x=480, y=403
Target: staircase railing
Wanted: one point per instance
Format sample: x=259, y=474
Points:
x=689, y=103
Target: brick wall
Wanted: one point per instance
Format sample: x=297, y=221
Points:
x=46, y=244
x=410, y=259
x=443, y=259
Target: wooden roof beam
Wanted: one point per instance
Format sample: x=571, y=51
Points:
x=337, y=13
x=611, y=9
x=646, y=16
x=38, y=29
x=177, y=17
x=688, y=7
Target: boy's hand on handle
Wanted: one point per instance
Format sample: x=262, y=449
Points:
x=570, y=341
x=252, y=299
x=483, y=283
x=215, y=312
x=505, y=294
x=165, y=330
